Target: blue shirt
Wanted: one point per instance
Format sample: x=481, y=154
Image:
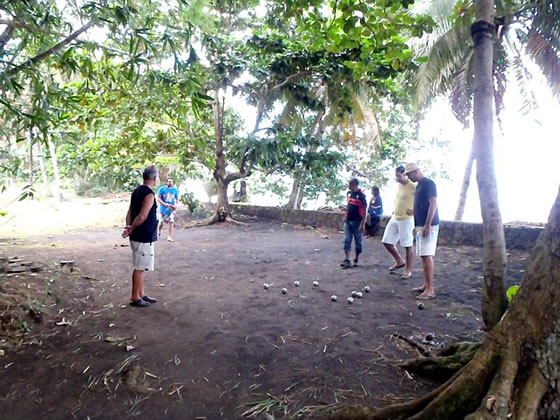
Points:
x=376, y=207
x=169, y=196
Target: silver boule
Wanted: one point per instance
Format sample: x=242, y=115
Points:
x=367, y=289
x=315, y=283
x=333, y=298
x=266, y=286
x=359, y=294
x=296, y=283
x=284, y=291
x=350, y=300
x=354, y=293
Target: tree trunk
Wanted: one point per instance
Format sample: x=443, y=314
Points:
x=298, y=187
x=494, y=301
x=30, y=153
x=292, y=201
x=54, y=162
x=301, y=192
x=515, y=372
x=43, y=169
x=465, y=187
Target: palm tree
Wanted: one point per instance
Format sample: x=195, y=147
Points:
x=523, y=29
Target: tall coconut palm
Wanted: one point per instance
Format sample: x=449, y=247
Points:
x=451, y=61
x=523, y=30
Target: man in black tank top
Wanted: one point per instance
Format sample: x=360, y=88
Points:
x=141, y=228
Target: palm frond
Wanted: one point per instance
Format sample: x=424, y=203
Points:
x=461, y=94
x=547, y=58
x=500, y=66
x=445, y=57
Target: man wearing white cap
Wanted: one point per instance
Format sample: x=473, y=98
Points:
x=426, y=220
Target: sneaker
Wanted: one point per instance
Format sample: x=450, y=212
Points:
x=345, y=264
x=140, y=303
x=149, y=299
x=355, y=262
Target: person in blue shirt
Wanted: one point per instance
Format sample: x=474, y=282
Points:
x=375, y=211
x=167, y=197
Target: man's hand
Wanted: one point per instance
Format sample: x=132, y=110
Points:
x=426, y=231
x=126, y=232
x=362, y=227
x=410, y=212
x=172, y=207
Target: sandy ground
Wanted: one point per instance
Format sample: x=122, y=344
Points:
x=217, y=343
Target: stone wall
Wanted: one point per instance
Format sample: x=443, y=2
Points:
x=450, y=232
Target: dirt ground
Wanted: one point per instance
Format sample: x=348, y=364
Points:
x=217, y=344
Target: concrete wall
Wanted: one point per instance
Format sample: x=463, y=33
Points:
x=450, y=232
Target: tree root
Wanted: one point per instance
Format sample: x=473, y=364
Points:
x=530, y=395
x=495, y=405
x=215, y=218
x=443, y=366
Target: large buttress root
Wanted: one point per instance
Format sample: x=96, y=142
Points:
x=443, y=366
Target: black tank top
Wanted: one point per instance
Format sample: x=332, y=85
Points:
x=147, y=231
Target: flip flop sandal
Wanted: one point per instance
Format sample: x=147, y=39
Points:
x=418, y=289
x=345, y=264
x=395, y=267
x=423, y=297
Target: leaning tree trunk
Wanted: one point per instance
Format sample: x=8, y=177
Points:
x=465, y=187
x=494, y=300
x=514, y=375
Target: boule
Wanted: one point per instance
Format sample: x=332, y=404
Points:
x=333, y=298
x=350, y=300
x=367, y=289
x=296, y=283
x=315, y=283
x=420, y=306
x=284, y=291
x=354, y=293
x=266, y=285
x=359, y=295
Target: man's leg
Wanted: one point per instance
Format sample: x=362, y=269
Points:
x=347, y=244
x=137, y=285
x=428, y=263
x=395, y=253
x=409, y=257
x=170, y=232
x=358, y=238
x=160, y=227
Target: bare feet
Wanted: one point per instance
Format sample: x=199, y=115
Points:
x=171, y=239
x=406, y=276
x=426, y=296
x=418, y=289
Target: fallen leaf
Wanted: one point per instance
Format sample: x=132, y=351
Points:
x=130, y=348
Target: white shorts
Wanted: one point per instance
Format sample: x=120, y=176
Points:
x=426, y=246
x=167, y=218
x=399, y=231
x=142, y=255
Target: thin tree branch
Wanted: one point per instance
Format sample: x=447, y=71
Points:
x=288, y=80
x=34, y=60
x=18, y=24
x=5, y=37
